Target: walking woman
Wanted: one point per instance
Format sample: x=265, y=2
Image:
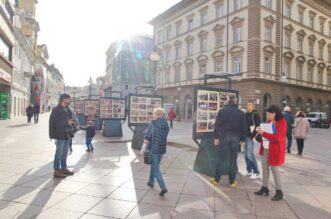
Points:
x=274, y=155
x=301, y=127
x=156, y=138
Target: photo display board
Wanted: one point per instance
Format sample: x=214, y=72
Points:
x=91, y=108
x=112, y=108
x=141, y=108
x=79, y=107
x=208, y=103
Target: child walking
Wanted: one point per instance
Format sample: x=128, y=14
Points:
x=90, y=133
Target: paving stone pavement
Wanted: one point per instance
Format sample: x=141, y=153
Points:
x=111, y=182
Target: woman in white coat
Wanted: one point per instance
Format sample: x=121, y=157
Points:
x=301, y=127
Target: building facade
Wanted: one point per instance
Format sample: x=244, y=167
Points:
x=281, y=49
x=129, y=64
x=7, y=41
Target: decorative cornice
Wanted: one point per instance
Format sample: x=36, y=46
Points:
x=311, y=62
x=301, y=59
x=302, y=33
x=269, y=49
x=270, y=19
x=289, y=27
x=201, y=58
x=236, y=49
x=237, y=21
x=217, y=54
x=289, y=55
x=321, y=65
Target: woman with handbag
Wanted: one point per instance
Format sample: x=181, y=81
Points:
x=156, y=138
x=301, y=127
x=274, y=155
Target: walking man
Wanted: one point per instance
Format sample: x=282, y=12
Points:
x=253, y=121
x=36, y=111
x=171, y=117
x=29, y=112
x=61, y=129
x=229, y=132
x=290, y=121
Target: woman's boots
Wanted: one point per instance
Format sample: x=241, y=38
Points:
x=265, y=191
x=278, y=196
x=262, y=191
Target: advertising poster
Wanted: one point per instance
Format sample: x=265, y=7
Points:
x=209, y=102
x=79, y=107
x=91, y=109
x=141, y=108
x=112, y=108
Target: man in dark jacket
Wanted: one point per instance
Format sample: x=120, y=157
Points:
x=290, y=121
x=36, y=111
x=229, y=132
x=253, y=121
x=29, y=112
x=60, y=129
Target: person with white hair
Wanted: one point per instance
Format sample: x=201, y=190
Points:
x=156, y=138
x=290, y=121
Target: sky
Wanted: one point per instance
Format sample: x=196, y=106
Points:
x=78, y=32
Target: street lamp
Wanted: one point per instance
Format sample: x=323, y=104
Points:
x=155, y=57
x=282, y=88
x=308, y=108
x=178, y=104
x=90, y=83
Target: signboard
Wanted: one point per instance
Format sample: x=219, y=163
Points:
x=141, y=108
x=112, y=108
x=208, y=102
x=79, y=107
x=4, y=75
x=91, y=109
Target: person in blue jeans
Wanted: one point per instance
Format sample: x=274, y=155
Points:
x=229, y=132
x=156, y=138
x=253, y=121
x=60, y=127
x=90, y=133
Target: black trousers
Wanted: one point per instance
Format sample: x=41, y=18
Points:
x=289, y=140
x=36, y=117
x=29, y=119
x=171, y=125
x=300, y=143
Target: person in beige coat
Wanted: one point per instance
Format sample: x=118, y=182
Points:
x=301, y=127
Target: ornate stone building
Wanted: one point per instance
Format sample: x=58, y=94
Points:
x=280, y=48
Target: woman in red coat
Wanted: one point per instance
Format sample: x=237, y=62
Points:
x=274, y=154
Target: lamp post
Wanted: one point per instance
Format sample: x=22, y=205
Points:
x=155, y=57
x=308, y=108
x=178, y=103
x=90, y=88
x=74, y=91
x=282, y=89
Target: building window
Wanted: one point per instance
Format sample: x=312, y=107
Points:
x=177, y=74
x=218, y=66
x=287, y=10
x=299, y=72
x=329, y=79
x=268, y=3
x=159, y=37
x=300, y=43
x=178, y=52
x=330, y=35
x=190, y=48
x=189, y=71
x=219, y=10
x=4, y=49
x=219, y=39
x=310, y=74
x=203, y=68
x=311, y=48
x=300, y=16
x=287, y=40
x=190, y=24
x=167, y=76
x=329, y=56
x=287, y=69
x=236, y=64
x=268, y=33
x=267, y=65
x=237, y=34
x=178, y=29
x=203, y=18
x=203, y=44
x=322, y=27
x=168, y=33
x=320, y=76
x=167, y=55
x=237, y=5
x=311, y=21
x=320, y=55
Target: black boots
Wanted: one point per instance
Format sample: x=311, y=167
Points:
x=278, y=196
x=288, y=150
x=262, y=191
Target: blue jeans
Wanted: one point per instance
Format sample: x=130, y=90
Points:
x=60, y=159
x=289, y=140
x=155, y=171
x=251, y=164
x=89, y=143
x=228, y=146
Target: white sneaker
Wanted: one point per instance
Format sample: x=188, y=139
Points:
x=247, y=173
x=255, y=176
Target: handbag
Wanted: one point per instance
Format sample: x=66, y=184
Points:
x=148, y=152
x=257, y=137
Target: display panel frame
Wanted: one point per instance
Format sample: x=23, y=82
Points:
x=136, y=106
x=75, y=102
x=97, y=108
x=113, y=99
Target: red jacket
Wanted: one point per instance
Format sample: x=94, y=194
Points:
x=277, y=144
x=171, y=114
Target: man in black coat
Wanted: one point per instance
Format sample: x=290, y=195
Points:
x=29, y=112
x=61, y=129
x=36, y=111
x=290, y=121
x=229, y=132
